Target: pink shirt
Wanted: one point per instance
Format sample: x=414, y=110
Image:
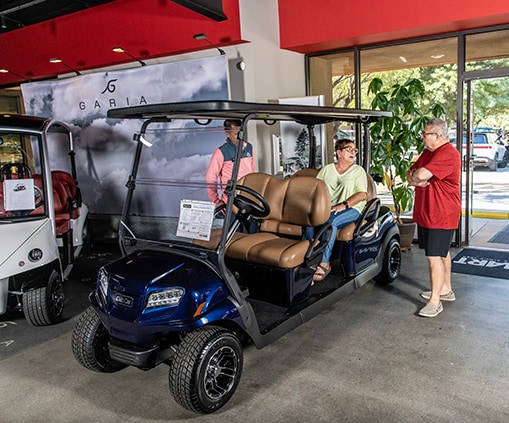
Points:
x=221, y=168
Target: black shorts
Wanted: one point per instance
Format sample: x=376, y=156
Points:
x=435, y=242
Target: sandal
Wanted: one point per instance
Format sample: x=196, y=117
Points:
x=321, y=272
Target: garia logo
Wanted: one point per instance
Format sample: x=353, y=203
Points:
x=110, y=86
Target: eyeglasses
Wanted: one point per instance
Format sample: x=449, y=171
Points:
x=350, y=149
x=425, y=134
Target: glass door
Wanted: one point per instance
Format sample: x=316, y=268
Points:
x=485, y=154
x=464, y=144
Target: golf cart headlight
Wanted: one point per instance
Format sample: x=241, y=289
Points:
x=103, y=281
x=168, y=297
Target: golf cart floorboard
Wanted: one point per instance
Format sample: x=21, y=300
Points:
x=270, y=316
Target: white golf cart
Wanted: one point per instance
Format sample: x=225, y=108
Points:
x=43, y=222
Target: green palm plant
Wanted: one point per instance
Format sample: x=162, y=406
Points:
x=396, y=140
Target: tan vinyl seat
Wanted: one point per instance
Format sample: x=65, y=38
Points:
x=347, y=233
x=295, y=203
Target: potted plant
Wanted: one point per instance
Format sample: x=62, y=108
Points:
x=395, y=141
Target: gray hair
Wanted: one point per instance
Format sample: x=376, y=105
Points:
x=440, y=126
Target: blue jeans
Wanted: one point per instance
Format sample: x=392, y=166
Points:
x=337, y=221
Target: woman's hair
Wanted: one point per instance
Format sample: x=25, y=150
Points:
x=339, y=144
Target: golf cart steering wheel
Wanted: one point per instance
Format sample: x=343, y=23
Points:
x=248, y=207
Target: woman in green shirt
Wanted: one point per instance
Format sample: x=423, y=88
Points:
x=348, y=187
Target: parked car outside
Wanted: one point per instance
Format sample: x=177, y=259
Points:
x=488, y=151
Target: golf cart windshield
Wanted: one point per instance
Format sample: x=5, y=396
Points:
x=168, y=200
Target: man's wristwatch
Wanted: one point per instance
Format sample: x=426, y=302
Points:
x=345, y=203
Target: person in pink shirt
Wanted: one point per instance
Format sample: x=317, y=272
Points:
x=221, y=164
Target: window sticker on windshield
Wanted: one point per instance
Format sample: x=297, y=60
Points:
x=195, y=220
x=19, y=194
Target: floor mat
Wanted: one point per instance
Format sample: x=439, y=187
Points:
x=501, y=237
x=492, y=264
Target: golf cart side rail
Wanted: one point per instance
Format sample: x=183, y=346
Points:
x=223, y=109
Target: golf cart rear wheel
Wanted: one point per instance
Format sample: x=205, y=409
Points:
x=206, y=369
x=45, y=306
x=391, y=264
x=90, y=344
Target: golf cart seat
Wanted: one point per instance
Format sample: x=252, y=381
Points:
x=294, y=205
x=65, y=199
x=368, y=216
x=275, y=263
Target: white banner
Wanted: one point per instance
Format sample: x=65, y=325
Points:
x=104, y=147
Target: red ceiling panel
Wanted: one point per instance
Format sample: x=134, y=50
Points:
x=83, y=40
x=310, y=26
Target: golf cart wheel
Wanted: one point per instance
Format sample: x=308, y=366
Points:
x=45, y=306
x=391, y=264
x=206, y=369
x=90, y=344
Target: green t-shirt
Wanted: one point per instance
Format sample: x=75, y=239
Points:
x=342, y=187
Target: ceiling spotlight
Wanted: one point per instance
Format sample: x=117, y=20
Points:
x=202, y=36
x=437, y=56
x=403, y=59
x=121, y=50
x=3, y=24
x=57, y=60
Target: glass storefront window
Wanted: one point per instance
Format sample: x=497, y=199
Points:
x=487, y=50
x=433, y=62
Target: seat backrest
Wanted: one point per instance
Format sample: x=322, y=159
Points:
x=306, y=172
x=371, y=188
x=64, y=183
x=347, y=233
x=294, y=203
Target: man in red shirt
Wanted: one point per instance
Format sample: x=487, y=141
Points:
x=437, y=209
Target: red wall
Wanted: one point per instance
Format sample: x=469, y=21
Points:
x=311, y=26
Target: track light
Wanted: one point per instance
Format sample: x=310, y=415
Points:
x=14, y=73
x=121, y=50
x=204, y=37
x=3, y=24
x=57, y=60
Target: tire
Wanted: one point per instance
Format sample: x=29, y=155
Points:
x=45, y=306
x=391, y=264
x=206, y=369
x=90, y=344
x=493, y=166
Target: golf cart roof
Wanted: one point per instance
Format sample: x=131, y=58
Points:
x=20, y=123
x=222, y=109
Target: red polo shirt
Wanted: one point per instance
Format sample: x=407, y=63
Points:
x=438, y=205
